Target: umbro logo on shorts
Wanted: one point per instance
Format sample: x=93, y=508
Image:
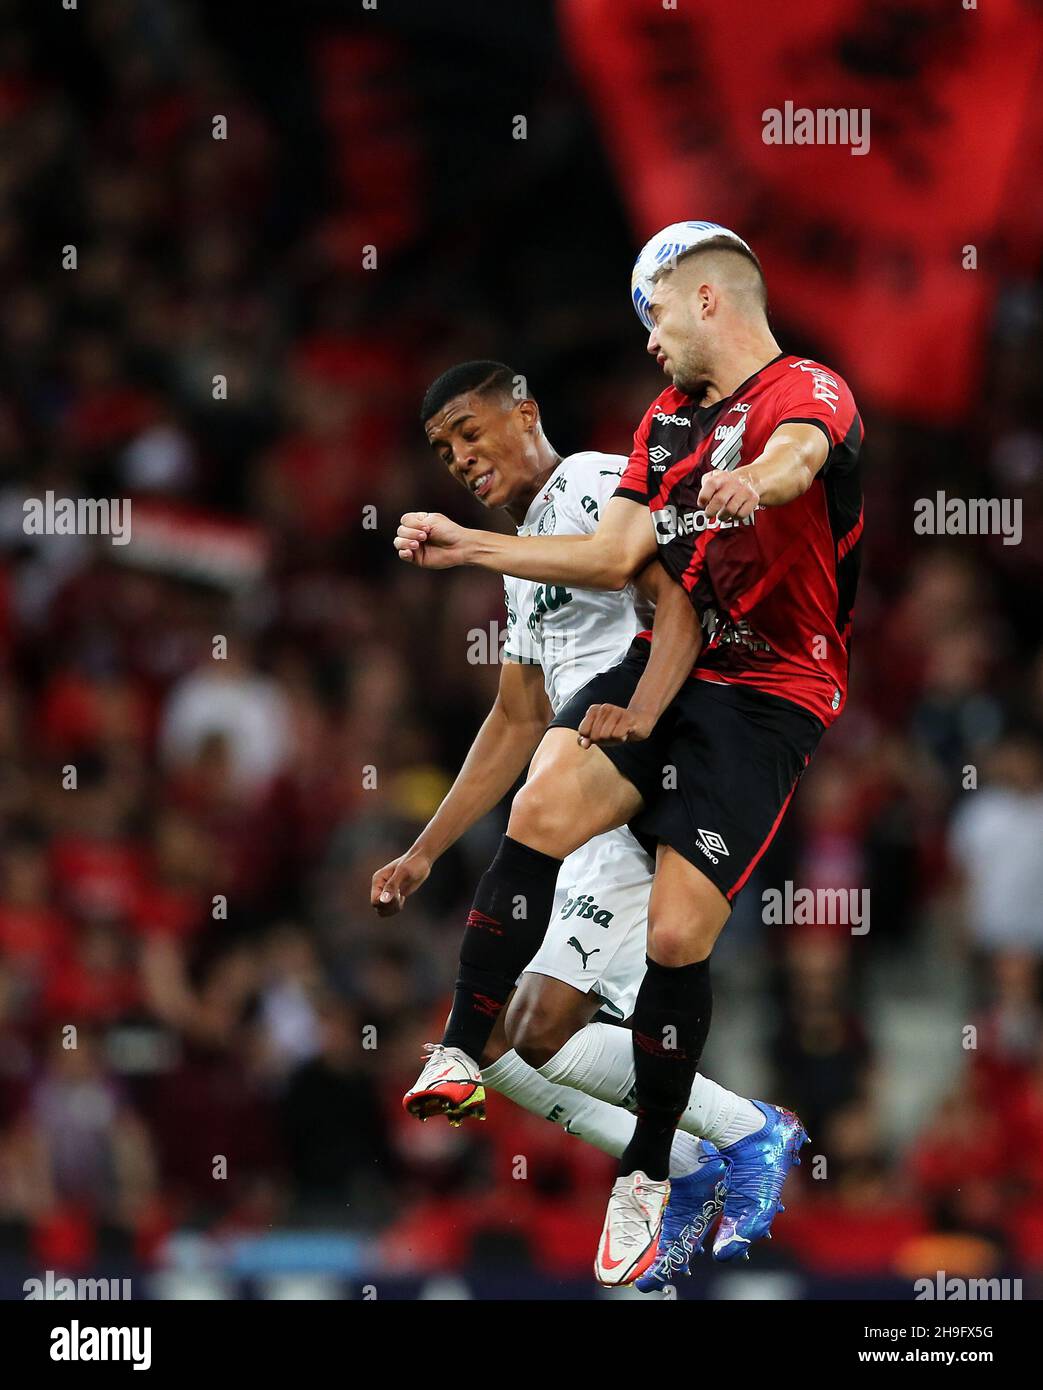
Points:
x=711, y=844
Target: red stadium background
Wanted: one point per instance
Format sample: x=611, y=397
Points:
x=239, y=245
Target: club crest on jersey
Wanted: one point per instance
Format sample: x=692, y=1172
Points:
x=545, y=525
x=726, y=455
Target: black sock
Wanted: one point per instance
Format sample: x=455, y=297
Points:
x=670, y=1023
x=508, y=921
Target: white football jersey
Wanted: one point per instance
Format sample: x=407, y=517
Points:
x=572, y=633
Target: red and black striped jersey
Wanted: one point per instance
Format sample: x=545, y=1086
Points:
x=775, y=592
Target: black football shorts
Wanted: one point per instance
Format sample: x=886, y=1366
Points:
x=718, y=771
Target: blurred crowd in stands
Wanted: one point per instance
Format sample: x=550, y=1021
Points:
x=199, y=771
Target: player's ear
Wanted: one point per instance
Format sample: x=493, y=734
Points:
x=529, y=414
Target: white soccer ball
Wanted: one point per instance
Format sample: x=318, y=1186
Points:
x=665, y=245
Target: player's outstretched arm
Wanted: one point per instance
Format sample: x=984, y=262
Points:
x=608, y=559
x=783, y=472
x=677, y=639
x=498, y=756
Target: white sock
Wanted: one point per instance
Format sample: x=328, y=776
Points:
x=599, y=1060
x=605, y=1126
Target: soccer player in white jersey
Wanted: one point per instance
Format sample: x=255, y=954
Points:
x=488, y=432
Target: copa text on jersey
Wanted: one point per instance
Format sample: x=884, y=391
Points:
x=669, y=523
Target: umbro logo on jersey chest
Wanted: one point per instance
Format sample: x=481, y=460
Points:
x=725, y=452
x=659, y=454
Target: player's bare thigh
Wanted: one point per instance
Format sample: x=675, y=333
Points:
x=686, y=912
x=571, y=795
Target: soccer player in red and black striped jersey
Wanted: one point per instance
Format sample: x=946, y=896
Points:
x=744, y=478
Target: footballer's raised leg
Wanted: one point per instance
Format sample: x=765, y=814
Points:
x=671, y=1021
x=513, y=904
x=669, y=1027
x=562, y=1011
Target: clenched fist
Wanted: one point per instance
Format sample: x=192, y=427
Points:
x=608, y=724
x=431, y=541
x=731, y=496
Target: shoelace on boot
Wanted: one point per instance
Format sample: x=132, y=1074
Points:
x=631, y=1228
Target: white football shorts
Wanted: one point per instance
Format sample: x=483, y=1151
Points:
x=597, y=935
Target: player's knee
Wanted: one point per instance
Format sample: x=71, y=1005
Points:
x=539, y=818
x=676, y=941
x=537, y=1032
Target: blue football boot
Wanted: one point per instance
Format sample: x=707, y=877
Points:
x=759, y=1165
x=695, y=1203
